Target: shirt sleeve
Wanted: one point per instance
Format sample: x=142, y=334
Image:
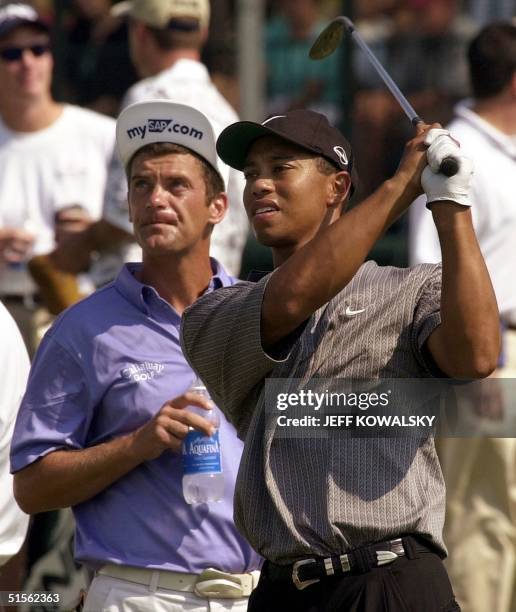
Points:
x=56, y=409
x=427, y=316
x=221, y=339
x=424, y=244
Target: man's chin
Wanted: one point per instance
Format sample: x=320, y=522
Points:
x=157, y=248
x=269, y=239
x=158, y=241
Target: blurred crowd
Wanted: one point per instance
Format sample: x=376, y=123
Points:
x=422, y=44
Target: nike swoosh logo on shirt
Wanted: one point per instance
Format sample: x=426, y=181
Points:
x=352, y=313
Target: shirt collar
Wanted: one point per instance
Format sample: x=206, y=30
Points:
x=255, y=275
x=220, y=277
x=189, y=69
x=139, y=294
x=505, y=142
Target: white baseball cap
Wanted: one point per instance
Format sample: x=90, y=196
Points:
x=14, y=15
x=159, y=13
x=152, y=121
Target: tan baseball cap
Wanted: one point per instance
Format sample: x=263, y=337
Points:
x=159, y=13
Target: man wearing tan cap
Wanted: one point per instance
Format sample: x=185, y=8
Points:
x=159, y=13
x=166, y=38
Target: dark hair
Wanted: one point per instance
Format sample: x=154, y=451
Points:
x=492, y=59
x=325, y=166
x=182, y=34
x=212, y=180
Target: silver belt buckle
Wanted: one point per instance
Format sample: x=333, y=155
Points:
x=302, y=584
x=388, y=556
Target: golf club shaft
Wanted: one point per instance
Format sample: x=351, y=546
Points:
x=394, y=89
x=449, y=165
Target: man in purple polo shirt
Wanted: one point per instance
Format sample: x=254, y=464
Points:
x=99, y=429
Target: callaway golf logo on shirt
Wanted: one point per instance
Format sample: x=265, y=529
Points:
x=158, y=126
x=145, y=370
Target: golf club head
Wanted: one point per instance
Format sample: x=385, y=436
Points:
x=328, y=40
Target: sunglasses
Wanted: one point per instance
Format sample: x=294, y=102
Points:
x=14, y=54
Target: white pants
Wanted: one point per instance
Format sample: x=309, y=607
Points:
x=108, y=594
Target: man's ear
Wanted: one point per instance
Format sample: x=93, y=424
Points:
x=340, y=187
x=218, y=208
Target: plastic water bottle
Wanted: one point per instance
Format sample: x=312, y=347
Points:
x=203, y=480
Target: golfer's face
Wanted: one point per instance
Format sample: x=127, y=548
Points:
x=285, y=195
x=167, y=203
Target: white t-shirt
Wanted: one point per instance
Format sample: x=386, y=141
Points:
x=186, y=82
x=14, y=365
x=494, y=204
x=44, y=171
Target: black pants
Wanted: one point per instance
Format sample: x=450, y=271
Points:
x=419, y=584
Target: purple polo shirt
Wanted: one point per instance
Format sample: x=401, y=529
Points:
x=105, y=368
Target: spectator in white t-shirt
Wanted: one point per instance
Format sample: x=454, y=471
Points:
x=486, y=129
x=53, y=160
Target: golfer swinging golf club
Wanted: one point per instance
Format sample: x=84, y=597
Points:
x=324, y=511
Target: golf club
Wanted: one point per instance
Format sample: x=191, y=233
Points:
x=330, y=38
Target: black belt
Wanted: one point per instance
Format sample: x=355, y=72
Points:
x=360, y=560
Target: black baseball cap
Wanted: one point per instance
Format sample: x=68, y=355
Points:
x=16, y=14
x=305, y=128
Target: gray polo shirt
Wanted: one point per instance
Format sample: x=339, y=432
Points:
x=297, y=497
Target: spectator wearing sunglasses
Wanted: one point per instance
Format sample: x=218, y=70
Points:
x=53, y=161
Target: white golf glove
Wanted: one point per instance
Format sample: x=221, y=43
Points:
x=437, y=186
x=440, y=145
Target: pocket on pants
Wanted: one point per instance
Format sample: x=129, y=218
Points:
x=97, y=595
x=123, y=600
x=423, y=584
x=107, y=594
